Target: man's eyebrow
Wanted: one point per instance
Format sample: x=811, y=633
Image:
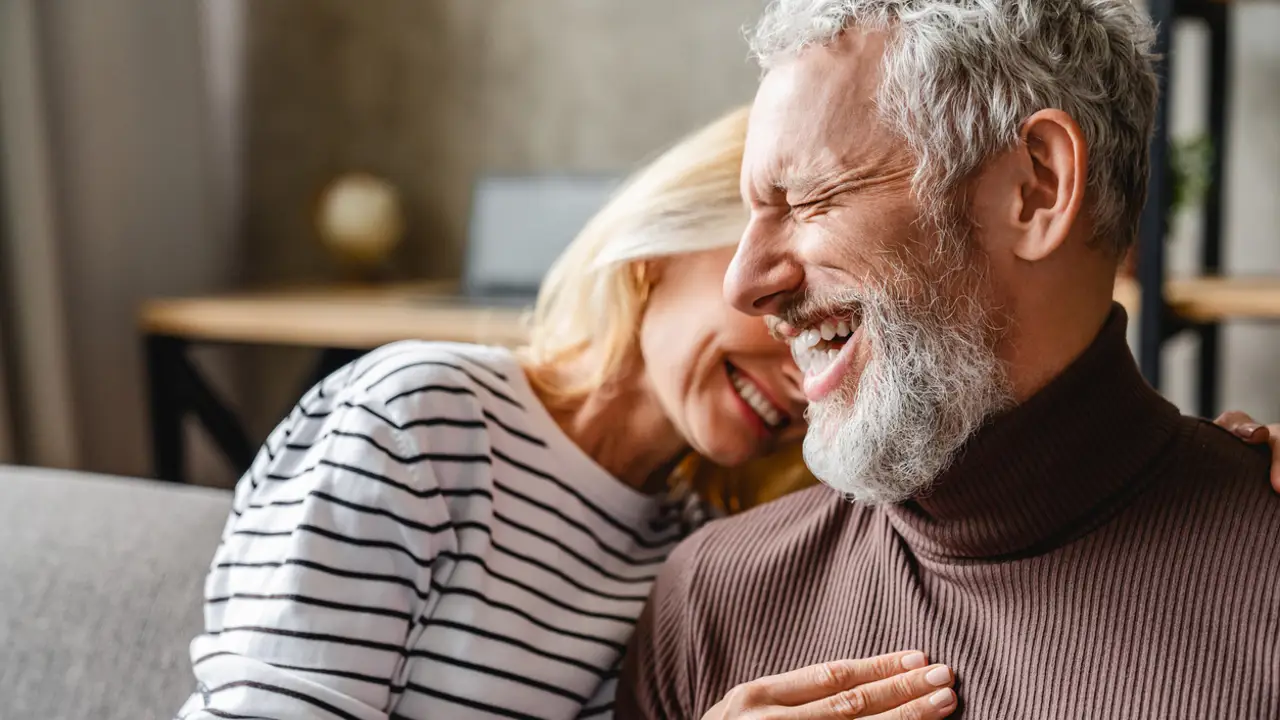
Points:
x=803, y=183
x=792, y=183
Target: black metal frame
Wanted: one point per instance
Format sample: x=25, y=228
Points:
x=177, y=390
x=1157, y=323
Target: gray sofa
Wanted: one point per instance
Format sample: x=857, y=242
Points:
x=100, y=587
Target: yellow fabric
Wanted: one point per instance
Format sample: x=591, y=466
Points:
x=742, y=488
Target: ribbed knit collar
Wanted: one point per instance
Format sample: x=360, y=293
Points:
x=1039, y=473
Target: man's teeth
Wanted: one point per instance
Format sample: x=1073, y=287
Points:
x=826, y=332
x=814, y=361
x=756, y=399
x=812, y=349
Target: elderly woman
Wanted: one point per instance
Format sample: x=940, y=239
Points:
x=443, y=530
x=448, y=530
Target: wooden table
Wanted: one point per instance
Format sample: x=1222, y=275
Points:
x=342, y=322
x=350, y=317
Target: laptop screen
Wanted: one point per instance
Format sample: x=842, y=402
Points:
x=519, y=226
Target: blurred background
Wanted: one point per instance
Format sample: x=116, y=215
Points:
x=157, y=150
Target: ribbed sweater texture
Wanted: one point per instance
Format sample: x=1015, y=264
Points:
x=1091, y=554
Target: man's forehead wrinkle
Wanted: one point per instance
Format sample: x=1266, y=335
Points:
x=861, y=165
x=825, y=120
x=841, y=135
x=824, y=169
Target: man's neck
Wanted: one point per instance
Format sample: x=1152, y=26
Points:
x=1040, y=470
x=1051, y=329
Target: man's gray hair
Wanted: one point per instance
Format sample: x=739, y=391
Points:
x=960, y=77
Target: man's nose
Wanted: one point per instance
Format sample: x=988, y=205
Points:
x=763, y=274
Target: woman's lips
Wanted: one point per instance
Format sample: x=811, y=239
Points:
x=757, y=399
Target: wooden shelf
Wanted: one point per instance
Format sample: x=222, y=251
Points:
x=355, y=318
x=1212, y=299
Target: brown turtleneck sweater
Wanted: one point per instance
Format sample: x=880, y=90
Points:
x=1092, y=554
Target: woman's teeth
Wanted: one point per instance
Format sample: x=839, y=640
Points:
x=756, y=400
x=817, y=348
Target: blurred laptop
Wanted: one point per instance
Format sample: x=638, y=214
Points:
x=518, y=227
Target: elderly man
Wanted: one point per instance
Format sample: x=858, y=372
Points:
x=957, y=180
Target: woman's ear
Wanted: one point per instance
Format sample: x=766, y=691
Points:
x=1052, y=194
x=645, y=272
x=648, y=273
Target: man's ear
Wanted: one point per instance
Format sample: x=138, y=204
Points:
x=1052, y=193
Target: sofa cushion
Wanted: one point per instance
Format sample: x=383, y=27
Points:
x=100, y=591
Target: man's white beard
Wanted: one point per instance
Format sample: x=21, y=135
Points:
x=932, y=380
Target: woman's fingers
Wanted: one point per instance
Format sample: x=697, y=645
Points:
x=938, y=705
x=1273, y=439
x=883, y=698
x=820, y=682
x=1251, y=431
x=1243, y=426
x=899, y=686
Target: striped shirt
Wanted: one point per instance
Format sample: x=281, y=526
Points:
x=420, y=540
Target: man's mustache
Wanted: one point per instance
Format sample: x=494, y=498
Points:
x=807, y=309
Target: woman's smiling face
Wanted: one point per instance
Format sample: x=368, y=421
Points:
x=726, y=384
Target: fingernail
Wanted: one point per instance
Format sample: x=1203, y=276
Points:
x=1248, y=429
x=939, y=676
x=942, y=698
x=913, y=661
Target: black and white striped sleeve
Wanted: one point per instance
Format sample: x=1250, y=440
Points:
x=324, y=570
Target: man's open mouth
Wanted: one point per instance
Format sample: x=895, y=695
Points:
x=816, y=347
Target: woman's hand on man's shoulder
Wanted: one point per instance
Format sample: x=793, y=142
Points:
x=1243, y=426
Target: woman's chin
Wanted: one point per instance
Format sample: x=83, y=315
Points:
x=732, y=454
x=730, y=435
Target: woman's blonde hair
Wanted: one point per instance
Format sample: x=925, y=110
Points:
x=592, y=299
x=591, y=303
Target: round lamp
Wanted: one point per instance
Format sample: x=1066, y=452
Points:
x=361, y=221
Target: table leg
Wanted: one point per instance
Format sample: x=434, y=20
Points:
x=332, y=360
x=164, y=357
x=221, y=424
x=177, y=388
x=1218, y=18
x=1152, y=329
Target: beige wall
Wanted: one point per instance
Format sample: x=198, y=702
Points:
x=432, y=94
